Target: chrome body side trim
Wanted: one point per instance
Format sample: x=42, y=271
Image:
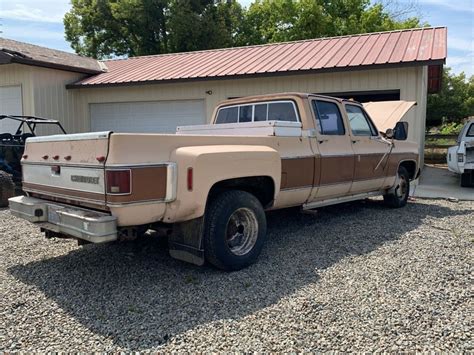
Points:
x=334, y=201
x=171, y=182
x=136, y=165
x=99, y=202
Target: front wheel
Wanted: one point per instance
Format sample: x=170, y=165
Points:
x=398, y=196
x=235, y=230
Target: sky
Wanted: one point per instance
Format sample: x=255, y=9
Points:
x=40, y=22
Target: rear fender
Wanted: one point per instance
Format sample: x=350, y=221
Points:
x=212, y=164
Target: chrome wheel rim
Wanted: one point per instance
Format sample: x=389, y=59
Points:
x=241, y=231
x=402, y=187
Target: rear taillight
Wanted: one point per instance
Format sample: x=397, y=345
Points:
x=118, y=181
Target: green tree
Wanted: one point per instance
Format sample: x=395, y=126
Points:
x=287, y=20
x=101, y=28
x=203, y=24
x=454, y=102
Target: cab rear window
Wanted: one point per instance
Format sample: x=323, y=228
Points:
x=261, y=111
x=227, y=115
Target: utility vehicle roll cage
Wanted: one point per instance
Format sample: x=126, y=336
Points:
x=31, y=122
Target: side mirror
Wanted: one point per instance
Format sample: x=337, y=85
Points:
x=389, y=133
x=400, y=132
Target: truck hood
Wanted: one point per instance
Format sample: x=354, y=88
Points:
x=386, y=114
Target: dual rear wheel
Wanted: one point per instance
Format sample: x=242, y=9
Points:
x=235, y=230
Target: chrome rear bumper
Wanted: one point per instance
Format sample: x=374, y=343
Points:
x=93, y=226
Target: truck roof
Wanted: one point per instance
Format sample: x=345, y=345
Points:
x=285, y=95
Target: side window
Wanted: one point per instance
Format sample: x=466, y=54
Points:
x=260, y=113
x=245, y=113
x=281, y=111
x=470, y=131
x=227, y=115
x=360, y=125
x=329, y=118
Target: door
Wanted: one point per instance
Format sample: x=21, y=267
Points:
x=371, y=151
x=336, y=158
x=10, y=104
x=146, y=117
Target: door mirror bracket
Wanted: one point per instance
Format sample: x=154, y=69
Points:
x=389, y=133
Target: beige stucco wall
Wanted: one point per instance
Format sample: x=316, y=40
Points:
x=53, y=100
x=14, y=75
x=411, y=82
x=44, y=94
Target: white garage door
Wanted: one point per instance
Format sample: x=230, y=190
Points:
x=10, y=104
x=148, y=117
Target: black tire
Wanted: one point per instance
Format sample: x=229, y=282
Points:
x=399, y=197
x=466, y=179
x=7, y=188
x=235, y=230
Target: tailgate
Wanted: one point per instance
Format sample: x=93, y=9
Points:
x=67, y=168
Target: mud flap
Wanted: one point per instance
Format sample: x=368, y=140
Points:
x=185, y=242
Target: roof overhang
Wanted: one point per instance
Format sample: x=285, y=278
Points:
x=7, y=57
x=260, y=75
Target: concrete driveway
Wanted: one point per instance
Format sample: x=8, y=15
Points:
x=436, y=181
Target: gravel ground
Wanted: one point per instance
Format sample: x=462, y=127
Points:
x=357, y=277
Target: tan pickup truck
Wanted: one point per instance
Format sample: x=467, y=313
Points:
x=208, y=186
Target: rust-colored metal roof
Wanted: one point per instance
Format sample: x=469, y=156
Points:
x=393, y=48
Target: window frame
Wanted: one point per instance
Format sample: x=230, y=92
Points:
x=373, y=128
x=316, y=117
x=218, y=111
x=251, y=115
x=471, y=126
x=253, y=104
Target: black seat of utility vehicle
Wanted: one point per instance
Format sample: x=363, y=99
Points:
x=5, y=136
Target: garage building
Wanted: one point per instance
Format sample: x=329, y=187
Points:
x=158, y=93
